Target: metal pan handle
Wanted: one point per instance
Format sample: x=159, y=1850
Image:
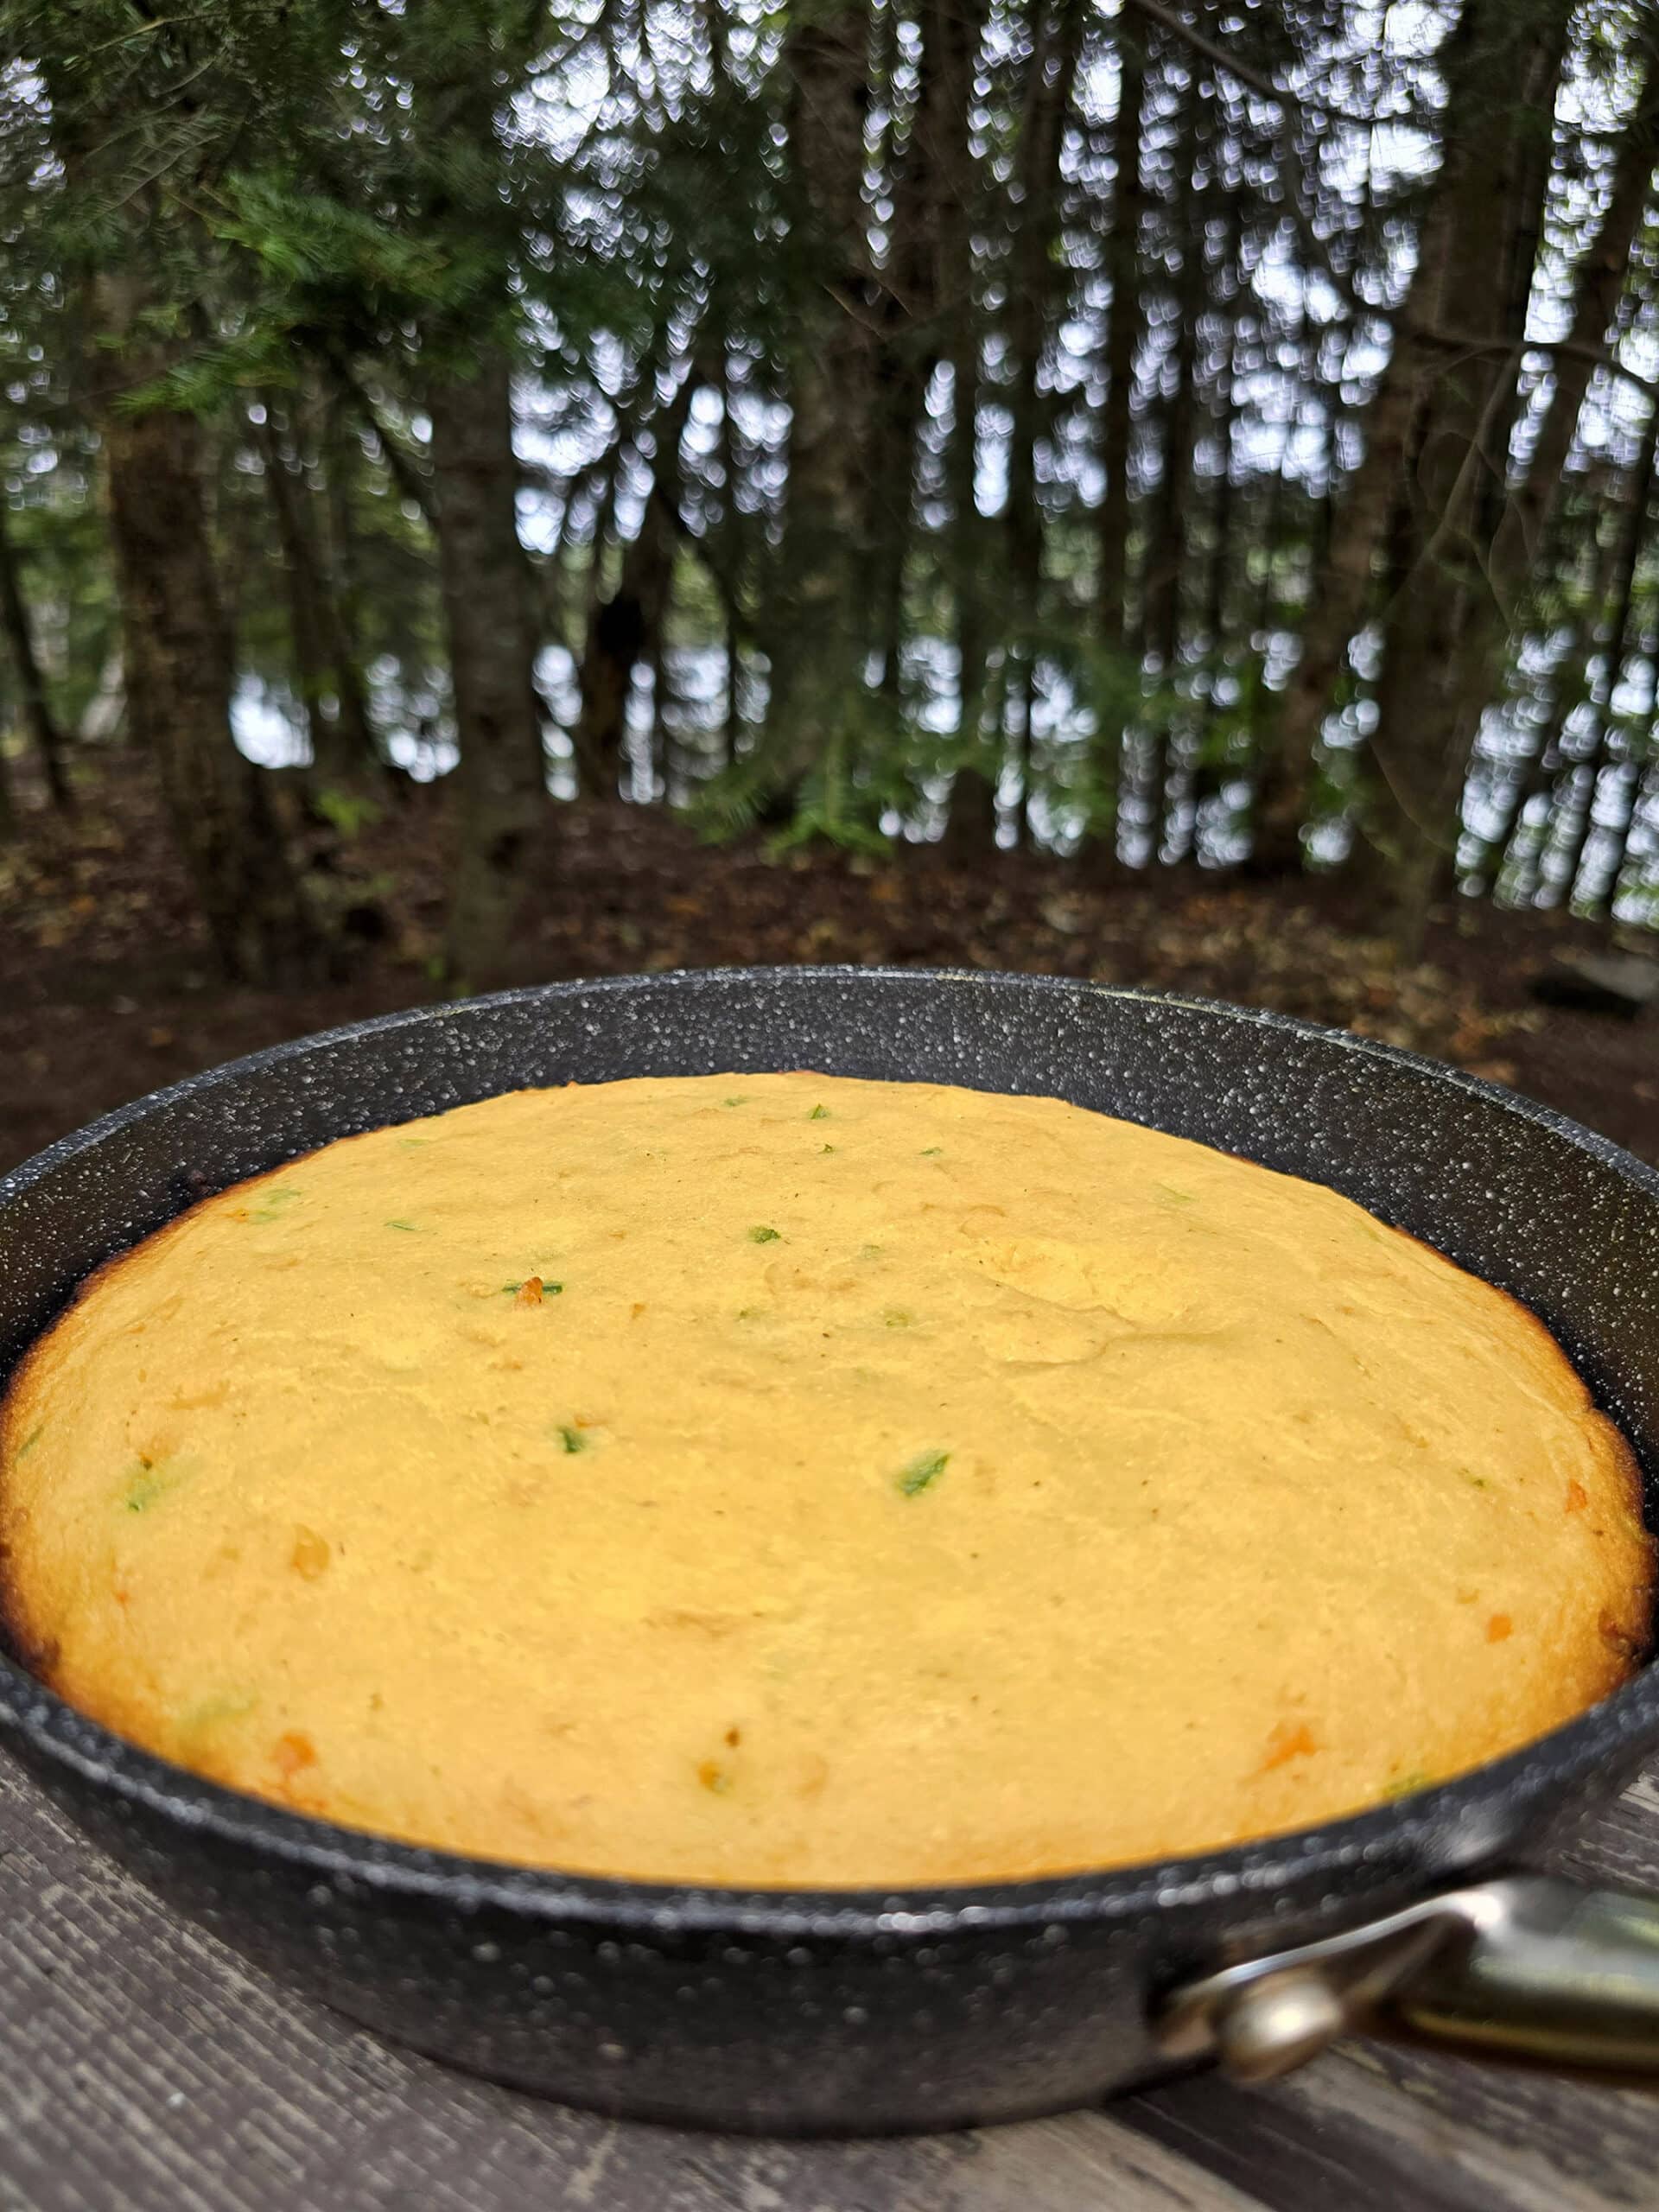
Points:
x=1526, y=1967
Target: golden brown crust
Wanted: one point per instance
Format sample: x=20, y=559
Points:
x=39, y=1653
x=1631, y=1635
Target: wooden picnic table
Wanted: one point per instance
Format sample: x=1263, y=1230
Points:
x=144, y=2068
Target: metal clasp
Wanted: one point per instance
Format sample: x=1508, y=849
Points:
x=1264, y=2016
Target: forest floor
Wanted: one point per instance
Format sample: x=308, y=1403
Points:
x=108, y=988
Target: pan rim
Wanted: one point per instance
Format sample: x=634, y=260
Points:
x=1398, y=1846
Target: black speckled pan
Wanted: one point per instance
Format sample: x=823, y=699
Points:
x=862, y=2011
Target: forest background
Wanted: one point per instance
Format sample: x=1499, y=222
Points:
x=499, y=489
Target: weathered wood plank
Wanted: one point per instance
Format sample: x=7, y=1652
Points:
x=143, y=2067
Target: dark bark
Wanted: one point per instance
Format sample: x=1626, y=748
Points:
x=38, y=718
x=906, y=352
x=1337, y=598
x=1034, y=293
x=1124, y=327
x=1265, y=614
x=1513, y=526
x=302, y=580
x=627, y=628
x=617, y=636
x=177, y=642
x=954, y=31
x=1119, y=664
x=732, y=715
x=815, y=625
x=1586, y=780
x=1476, y=609
x=489, y=616
x=1440, y=616
x=607, y=478
x=314, y=540
x=1526, y=526
x=1168, y=555
x=613, y=643
x=659, y=743
x=341, y=462
x=1569, y=686
x=180, y=674
x=1211, y=770
x=970, y=826
x=1222, y=511
x=728, y=569
x=1484, y=60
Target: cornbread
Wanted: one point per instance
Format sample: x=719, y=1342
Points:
x=784, y=1479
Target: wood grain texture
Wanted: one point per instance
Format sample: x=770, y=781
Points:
x=144, y=2069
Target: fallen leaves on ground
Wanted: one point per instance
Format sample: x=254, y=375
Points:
x=107, y=987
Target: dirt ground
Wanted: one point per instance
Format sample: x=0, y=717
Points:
x=108, y=988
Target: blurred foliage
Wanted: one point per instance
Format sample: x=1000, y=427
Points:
x=319, y=210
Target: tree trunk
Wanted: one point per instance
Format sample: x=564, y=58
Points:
x=731, y=721
x=659, y=743
x=1440, y=622
x=302, y=580
x=180, y=674
x=1526, y=525
x=733, y=544
x=970, y=826
x=1210, y=771
x=816, y=627
x=341, y=460
x=1483, y=62
x=1512, y=527
x=38, y=718
x=180, y=669
x=1124, y=327
x=1474, y=608
x=1117, y=681
x=1514, y=847
x=1167, y=551
x=1261, y=615
x=1620, y=638
x=906, y=353
x=626, y=628
x=901, y=379
x=1336, y=603
x=1051, y=84
x=955, y=32
x=485, y=584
